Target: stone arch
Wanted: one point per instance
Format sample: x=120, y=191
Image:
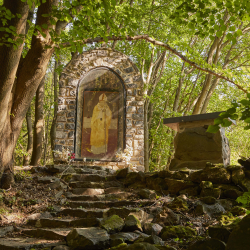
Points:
x=71, y=77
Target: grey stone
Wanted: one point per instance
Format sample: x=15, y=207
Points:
x=152, y=228
x=62, y=247
x=213, y=192
x=238, y=176
x=89, y=238
x=153, y=239
x=211, y=210
x=122, y=173
x=194, y=147
x=112, y=224
x=132, y=224
x=71, y=114
x=5, y=230
x=142, y=246
x=129, y=70
x=208, y=244
x=240, y=236
x=219, y=232
x=146, y=194
x=175, y=186
x=216, y=175
x=177, y=232
x=123, y=237
x=70, y=126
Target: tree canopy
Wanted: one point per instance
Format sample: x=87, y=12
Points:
x=190, y=53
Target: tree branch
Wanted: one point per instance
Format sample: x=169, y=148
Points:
x=166, y=46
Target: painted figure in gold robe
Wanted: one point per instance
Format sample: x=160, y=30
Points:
x=100, y=123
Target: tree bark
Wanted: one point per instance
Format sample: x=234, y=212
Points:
x=26, y=159
x=53, y=126
x=10, y=57
x=38, y=126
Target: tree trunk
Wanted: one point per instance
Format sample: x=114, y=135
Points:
x=7, y=146
x=26, y=159
x=146, y=137
x=38, y=126
x=10, y=57
x=53, y=126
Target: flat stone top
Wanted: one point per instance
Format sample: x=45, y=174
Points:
x=192, y=118
x=192, y=121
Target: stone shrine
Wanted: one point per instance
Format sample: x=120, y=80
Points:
x=194, y=147
x=101, y=109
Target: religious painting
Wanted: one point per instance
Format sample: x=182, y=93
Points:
x=100, y=125
x=100, y=116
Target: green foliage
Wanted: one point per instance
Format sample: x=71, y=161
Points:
x=21, y=175
x=238, y=110
x=244, y=199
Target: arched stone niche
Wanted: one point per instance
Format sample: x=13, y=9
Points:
x=101, y=88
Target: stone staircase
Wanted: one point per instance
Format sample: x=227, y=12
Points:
x=98, y=208
x=92, y=216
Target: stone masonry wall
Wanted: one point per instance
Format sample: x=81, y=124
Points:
x=79, y=66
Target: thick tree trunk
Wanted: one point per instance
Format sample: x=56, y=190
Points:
x=38, y=126
x=10, y=57
x=7, y=145
x=26, y=159
x=146, y=136
x=53, y=126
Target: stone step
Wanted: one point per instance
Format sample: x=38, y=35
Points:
x=92, y=177
x=88, y=191
x=99, y=168
x=108, y=204
x=84, y=213
x=28, y=243
x=47, y=234
x=67, y=223
x=90, y=171
x=98, y=213
x=102, y=197
x=101, y=171
x=90, y=184
x=114, y=190
x=81, y=186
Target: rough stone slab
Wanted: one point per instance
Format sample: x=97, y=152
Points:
x=88, y=191
x=120, y=196
x=48, y=234
x=86, y=184
x=174, y=122
x=88, y=238
x=92, y=177
x=27, y=243
x=84, y=213
x=53, y=223
x=5, y=230
x=108, y=204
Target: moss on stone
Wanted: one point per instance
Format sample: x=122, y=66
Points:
x=178, y=204
x=229, y=220
x=177, y=232
x=121, y=246
x=112, y=224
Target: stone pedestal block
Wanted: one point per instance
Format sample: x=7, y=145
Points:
x=194, y=147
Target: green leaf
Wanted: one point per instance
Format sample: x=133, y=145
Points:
x=45, y=26
x=247, y=120
x=218, y=120
x=244, y=102
x=247, y=127
x=248, y=95
x=226, y=123
x=213, y=128
x=238, y=32
x=231, y=110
